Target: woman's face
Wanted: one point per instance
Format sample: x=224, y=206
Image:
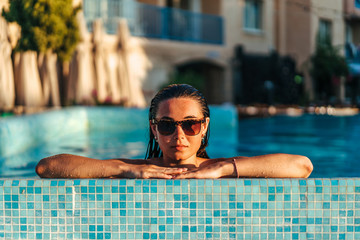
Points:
x=178, y=146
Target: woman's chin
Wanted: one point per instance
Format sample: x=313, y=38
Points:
x=182, y=158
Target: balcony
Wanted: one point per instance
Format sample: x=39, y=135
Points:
x=351, y=10
x=152, y=21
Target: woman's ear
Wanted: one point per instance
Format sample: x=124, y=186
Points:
x=153, y=128
x=206, y=125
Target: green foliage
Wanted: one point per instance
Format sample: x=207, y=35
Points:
x=188, y=77
x=326, y=65
x=45, y=25
x=327, y=61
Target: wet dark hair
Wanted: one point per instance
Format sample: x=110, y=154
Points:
x=177, y=91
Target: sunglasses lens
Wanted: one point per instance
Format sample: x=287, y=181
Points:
x=166, y=127
x=191, y=127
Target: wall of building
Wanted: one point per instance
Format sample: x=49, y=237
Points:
x=259, y=42
x=298, y=25
x=162, y=57
x=166, y=55
x=279, y=26
x=296, y=28
x=350, y=9
x=288, y=26
x=331, y=10
x=211, y=7
x=352, y=18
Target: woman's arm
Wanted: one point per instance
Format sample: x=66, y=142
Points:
x=274, y=166
x=73, y=166
x=265, y=166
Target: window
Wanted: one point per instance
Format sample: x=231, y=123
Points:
x=253, y=15
x=325, y=32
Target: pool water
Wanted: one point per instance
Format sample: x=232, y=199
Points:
x=330, y=142
x=97, y=132
x=320, y=208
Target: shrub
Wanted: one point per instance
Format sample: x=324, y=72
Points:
x=45, y=25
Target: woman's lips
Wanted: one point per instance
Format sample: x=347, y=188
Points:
x=179, y=147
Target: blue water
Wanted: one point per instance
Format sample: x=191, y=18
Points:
x=97, y=132
x=330, y=142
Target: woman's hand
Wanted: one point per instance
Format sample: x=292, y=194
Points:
x=217, y=169
x=146, y=171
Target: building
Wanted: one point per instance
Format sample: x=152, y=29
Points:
x=197, y=35
x=352, y=21
x=201, y=36
x=297, y=25
x=352, y=37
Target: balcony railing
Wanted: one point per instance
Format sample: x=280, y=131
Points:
x=151, y=21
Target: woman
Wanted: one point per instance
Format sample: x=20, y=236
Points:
x=179, y=131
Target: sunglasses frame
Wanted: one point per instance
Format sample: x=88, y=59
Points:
x=177, y=123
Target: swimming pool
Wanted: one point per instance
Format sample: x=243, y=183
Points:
x=98, y=132
x=34, y=208
x=330, y=142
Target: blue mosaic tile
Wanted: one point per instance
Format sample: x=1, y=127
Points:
x=158, y=209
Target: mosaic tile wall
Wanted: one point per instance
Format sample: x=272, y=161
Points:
x=180, y=209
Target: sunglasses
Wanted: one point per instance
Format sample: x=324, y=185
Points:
x=190, y=127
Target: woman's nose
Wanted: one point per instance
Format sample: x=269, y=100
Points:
x=179, y=132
